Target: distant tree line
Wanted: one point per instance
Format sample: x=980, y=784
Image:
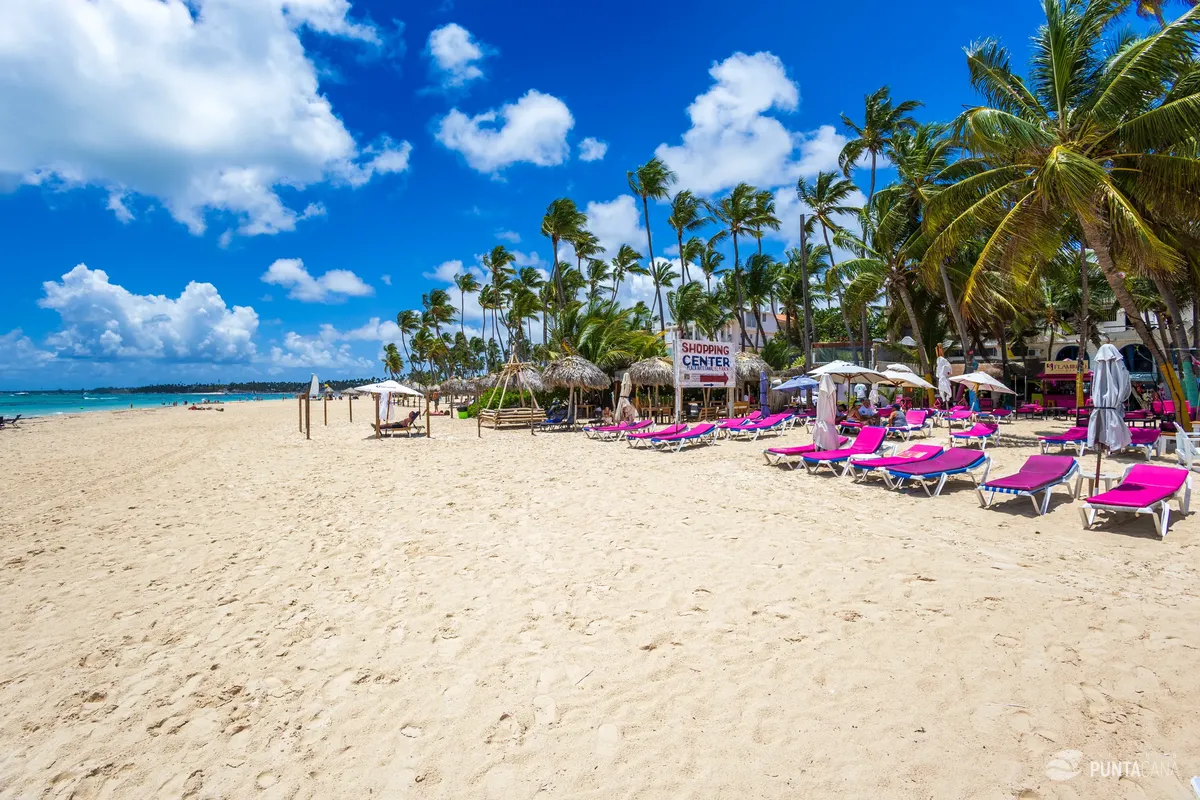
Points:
x=248, y=387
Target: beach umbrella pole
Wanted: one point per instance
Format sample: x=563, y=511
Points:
x=307, y=417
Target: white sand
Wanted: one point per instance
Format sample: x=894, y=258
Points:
x=206, y=605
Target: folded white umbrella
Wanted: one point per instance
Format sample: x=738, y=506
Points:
x=825, y=435
x=1110, y=391
x=943, y=376
x=981, y=382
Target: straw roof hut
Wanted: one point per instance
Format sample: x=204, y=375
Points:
x=656, y=371
x=749, y=365
x=454, y=386
x=574, y=372
x=792, y=372
x=485, y=382
x=529, y=376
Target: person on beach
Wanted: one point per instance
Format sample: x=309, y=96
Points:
x=898, y=418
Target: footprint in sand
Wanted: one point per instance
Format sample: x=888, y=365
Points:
x=334, y=688
x=1020, y=721
x=608, y=738
x=545, y=710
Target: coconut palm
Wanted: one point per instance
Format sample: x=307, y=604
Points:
x=758, y=282
x=882, y=119
x=625, y=262
x=662, y=274
x=650, y=180
x=1153, y=9
x=597, y=274
x=710, y=261
x=586, y=246
x=687, y=215
x=688, y=304
x=563, y=220
x=1091, y=143
x=736, y=212
x=393, y=363
x=764, y=215
x=465, y=282
x=407, y=322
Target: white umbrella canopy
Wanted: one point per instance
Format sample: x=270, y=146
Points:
x=825, y=435
x=981, y=382
x=387, y=386
x=943, y=377
x=903, y=376
x=845, y=372
x=1110, y=391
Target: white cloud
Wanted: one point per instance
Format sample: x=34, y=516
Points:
x=104, y=320
x=209, y=106
x=731, y=138
x=18, y=353
x=591, y=149
x=386, y=279
x=315, y=351
x=512, y=237
x=455, y=55
x=445, y=271
x=332, y=287
x=532, y=130
x=617, y=222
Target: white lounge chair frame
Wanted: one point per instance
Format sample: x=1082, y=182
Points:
x=1040, y=507
x=925, y=480
x=1160, y=511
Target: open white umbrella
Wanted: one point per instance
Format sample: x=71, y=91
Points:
x=1110, y=391
x=981, y=382
x=845, y=372
x=825, y=435
x=943, y=377
x=903, y=376
x=387, y=386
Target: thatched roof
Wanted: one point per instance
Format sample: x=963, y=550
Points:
x=573, y=371
x=454, y=386
x=656, y=371
x=749, y=365
x=485, y=382
x=792, y=372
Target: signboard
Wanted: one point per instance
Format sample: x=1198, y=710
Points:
x=705, y=365
x=1060, y=369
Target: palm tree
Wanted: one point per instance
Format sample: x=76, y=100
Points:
x=663, y=274
x=1090, y=143
x=1153, y=9
x=407, y=322
x=650, y=180
x=465, y=282
x=710, y=261
x=757, y=285
x=737, y=213
x=624, y=263
x=563, y=220
x=586, y=245
x=764, y=215
x=686, y=217
x=597, y=275
x=828, y=197
x=438, y=309
x=393, y=364
x=882, y=119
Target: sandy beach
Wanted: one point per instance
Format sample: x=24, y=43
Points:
x=205, y=605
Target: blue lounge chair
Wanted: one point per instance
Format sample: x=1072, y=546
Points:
x=955, y=461
x=704, y=433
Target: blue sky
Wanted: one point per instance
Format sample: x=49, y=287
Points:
x=237, y=189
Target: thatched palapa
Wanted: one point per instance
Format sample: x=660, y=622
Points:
x=749, y=365
x=656, y=371
x=573, y=372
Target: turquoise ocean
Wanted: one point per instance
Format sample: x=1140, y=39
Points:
x=42, y=404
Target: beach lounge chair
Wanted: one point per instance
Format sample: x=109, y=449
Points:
x=609, y=433
x=997, y=415
x=1039, y=474
x=861, y=468
x=1187, y=450
x=963, y=416
x=917, y=421
x=406, y=426
x=10, y=421
x=643, y=436
x=955, y=461
x=704, y=433
x=1144, y=489
x=725, y=425
x=775, y=422
x=1075, y=437
x=981, y=432
x=1147, y=440
x=556, y=421
x=1030, y=410
x=870, y=440
x=791, y=455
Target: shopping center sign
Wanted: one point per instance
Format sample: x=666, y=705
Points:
x=704, y=364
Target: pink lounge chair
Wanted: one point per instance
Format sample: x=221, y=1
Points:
x=917, y=422
x=644, y=437
x=861, y=469
x=981, y=432
x=608, y=433
x=1037, y=474
x=955, y=461
x=704, y=433
x=791, y=455
x=736, y=422
x=1029, y=409
x=1146, y=440
x=869, y=441
x=963, y=415
x=1075, y=437
x=755, y=429
x=1144, y=489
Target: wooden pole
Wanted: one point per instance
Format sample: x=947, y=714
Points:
x=325, y=408
x=428, y=432
x=350, y=403
x=307, y=417
x=375, y=402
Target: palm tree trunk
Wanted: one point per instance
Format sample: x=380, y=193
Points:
x=662, y=314
x=1081, y=356
x=682, y=261
x=646, y=218
x=960, y=325
x=1179, y=334
x=838, y=290
x=1093, y=233
x=737, y=285
x=911, y=311
x=806, y=296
